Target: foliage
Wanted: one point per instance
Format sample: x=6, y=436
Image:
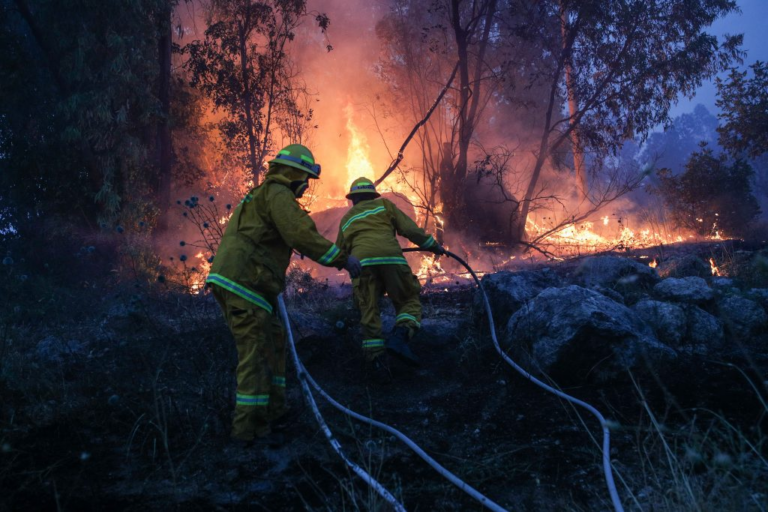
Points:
x=242, y=64
x=74, y=125
x=712, y=195
x=744, y=105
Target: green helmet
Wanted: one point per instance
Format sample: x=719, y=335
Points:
x=300, y=157
x=362, y=186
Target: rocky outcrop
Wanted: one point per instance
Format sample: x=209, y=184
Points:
x=579, y=334
x=509, y=291
x=743, y=318
x=668, y=321
x=623, y=276
x=688, y=290
x=687, y=266
x=705, y=332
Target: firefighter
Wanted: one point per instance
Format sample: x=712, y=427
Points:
x=248, y=273
x=367, y=231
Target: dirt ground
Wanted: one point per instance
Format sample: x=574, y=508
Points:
x=135, y=416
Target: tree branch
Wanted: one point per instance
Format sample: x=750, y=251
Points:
x=421, y=123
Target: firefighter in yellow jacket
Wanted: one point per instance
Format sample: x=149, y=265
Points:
x=248, y=273
x=367, y=232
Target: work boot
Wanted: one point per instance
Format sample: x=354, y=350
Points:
x=397, y=345
x=377, y=371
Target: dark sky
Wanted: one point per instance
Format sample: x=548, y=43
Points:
x=753, y=23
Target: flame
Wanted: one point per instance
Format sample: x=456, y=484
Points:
x=654, y=263
x=197, y=278
x=605, y=220
x=713, y=266
x=358, y=163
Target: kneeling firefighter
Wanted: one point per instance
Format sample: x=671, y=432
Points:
x=367, y=231
x=248, y=274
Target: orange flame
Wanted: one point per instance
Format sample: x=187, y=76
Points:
x=654, y=263
x=358, y=163
x=713, y=266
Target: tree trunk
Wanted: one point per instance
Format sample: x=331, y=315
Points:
x=248, y=106
x=453, y=204
x=573, y=108
x=164, y=148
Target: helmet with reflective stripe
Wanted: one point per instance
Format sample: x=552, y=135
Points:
x=362, y=186
x=299, y=157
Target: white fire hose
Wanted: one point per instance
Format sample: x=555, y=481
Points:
x=304, y=377
x=607, y=469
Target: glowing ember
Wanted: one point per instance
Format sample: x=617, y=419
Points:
x=605, y=220
x=200, y=273
x=715, y=270
x=654, y=263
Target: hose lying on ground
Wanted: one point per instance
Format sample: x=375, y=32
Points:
x=606, y=433
x=305, y=377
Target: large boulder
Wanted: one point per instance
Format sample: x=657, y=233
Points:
x=575, y=334
x=509, y=291
x=623, y=275
x=687, y=266
x=743, y=318
x=668, y=321
x=705, y=332
x=689, y=290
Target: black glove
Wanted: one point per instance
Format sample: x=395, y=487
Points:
x=353, y=267
x=438, y=249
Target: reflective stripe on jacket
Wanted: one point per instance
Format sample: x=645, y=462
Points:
x=368, y=230
x=256, y=248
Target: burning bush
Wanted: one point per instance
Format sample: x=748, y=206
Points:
x=712, y=196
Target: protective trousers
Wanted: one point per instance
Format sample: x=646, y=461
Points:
x=260, y=342
x=402, y=287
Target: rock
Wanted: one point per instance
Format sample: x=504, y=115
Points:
x=576, y=333
x=705, y=332
x=610, y=293
x=760, y=295
x=687, y=266
x=508, y=292
x=667, y=321
x=615, y=272
x=723, y=283
x=743, y=318
x=691, y=290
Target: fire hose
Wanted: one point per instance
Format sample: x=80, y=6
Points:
x=304, y=377
x=607, y=469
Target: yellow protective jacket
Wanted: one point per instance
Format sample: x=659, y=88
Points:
x=256, y=248
x=368, y=230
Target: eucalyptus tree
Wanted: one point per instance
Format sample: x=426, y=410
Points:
x=243, y=65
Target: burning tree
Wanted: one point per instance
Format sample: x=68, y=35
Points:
x=617, y=65
x=242, y=64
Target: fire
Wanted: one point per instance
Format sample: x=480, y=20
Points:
x=654, y=263
x=713, y=266
x=605, y=220
x=358, y=164
x=199, y=273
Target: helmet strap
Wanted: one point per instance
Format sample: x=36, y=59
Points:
x=298, y=187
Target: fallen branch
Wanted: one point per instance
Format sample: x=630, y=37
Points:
x=421, y=123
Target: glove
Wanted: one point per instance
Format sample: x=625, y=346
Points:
x=438, y=249
x=353, y=267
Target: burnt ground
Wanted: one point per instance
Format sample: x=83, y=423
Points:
x=123, y=403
